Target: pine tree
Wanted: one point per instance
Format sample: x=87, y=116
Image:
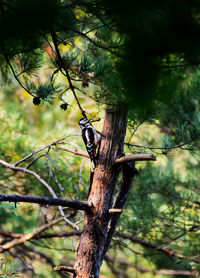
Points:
x=140, y=60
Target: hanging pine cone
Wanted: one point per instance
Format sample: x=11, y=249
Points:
x=64, y=106
x=36, y=100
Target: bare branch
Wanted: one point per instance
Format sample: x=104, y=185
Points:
x=115, y=210
x=29, y=236
x=135, y=157
x=63, y=234
x=75, y=204
x=41, y=236
x=10, y=234
x=39, y=150
x=24, y=170
x=75, y=151
x=34, y=160
x=10, y=274
x=64, y=268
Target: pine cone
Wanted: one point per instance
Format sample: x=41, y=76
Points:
x=36, y=100
x=64, y=106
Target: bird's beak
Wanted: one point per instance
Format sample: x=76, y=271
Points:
x=94, y=120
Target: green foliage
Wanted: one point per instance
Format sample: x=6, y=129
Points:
x=9, y=269
x=151, y=33
x=29, y=63
x=15, y=215
x=136, y=60
x=46, y=91
x=20, y=135
x=138, y=56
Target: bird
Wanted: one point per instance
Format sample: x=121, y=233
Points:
x=90, y=138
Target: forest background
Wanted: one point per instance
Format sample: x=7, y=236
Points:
x=156, y=71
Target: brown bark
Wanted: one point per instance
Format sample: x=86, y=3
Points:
x=128, y=172
x=93, y=239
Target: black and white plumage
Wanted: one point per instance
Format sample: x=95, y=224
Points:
x=90, y=138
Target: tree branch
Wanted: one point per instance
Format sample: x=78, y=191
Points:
x=15, y=76
x=25, y=170
x=64, y=268
x=160, y=148
x=75, y=204
x=128, y=172
x=194, y=228
x=36, y=159
x=9, y=274
x=135, y=157
x=10, y=234
x=75, y=151
x=55, y=42
x=150, y=245
x=29, y=236
x=65, y=234
x=41, y=236
x=39, y=150
x=92, y=41
x=143, y=270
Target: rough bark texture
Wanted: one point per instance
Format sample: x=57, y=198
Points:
x=93, y=239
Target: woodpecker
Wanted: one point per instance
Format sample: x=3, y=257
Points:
x=90, y=138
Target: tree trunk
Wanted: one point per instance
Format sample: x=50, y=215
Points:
x=93, y=239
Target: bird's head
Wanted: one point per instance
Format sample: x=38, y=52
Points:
x=84, y=122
